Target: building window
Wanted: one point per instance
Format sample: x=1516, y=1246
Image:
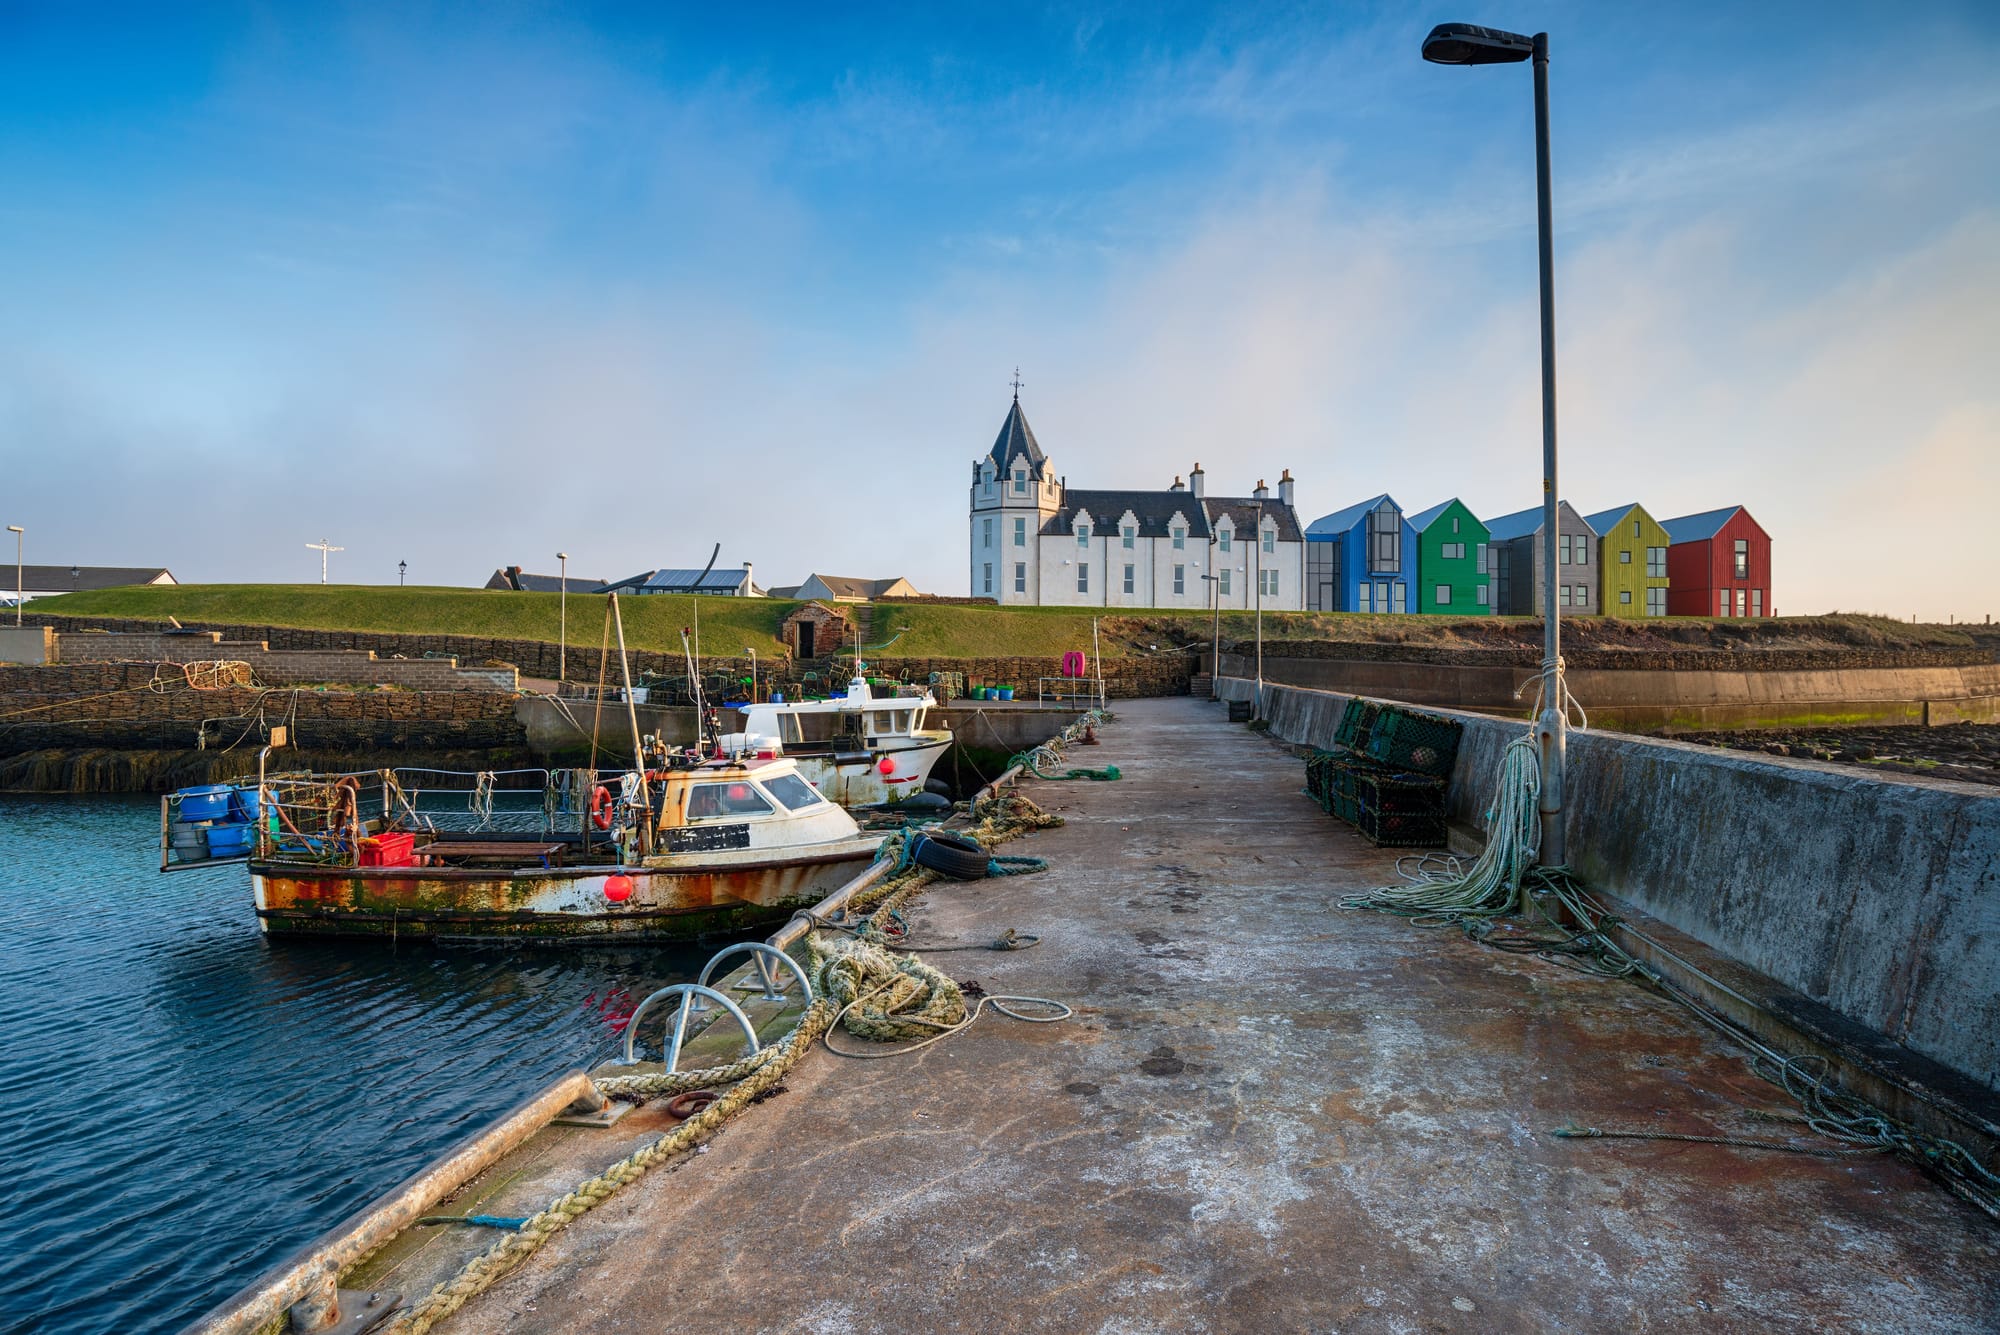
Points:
x=1656, y=563
x=1635, y=528
x=1562, y=590
x=1485, y=559
x=1020, y=577
x=1180, y=581
x=1385, y=540
x=987, y=586
x=1222, y=536
x=1269, y=585
x=986, y=482
x=1270, y=540
x=1625, y=556
x=1128, y=534
x=1399, y=592
x=1020, y=482
x=1656, y=602
x=1083, y=535
x=1742, y=598
x=1441, y=595
x=1180, y=539
x=1756, y=602
x=1020, y=532
x=1454, y=527
x=1583, y=595
x=986, y=533
x=1128, y=580
x=1482, y=595
x=1083, y=577
x=1625, y=597
x=1223, y=586
x=1562, y=548
x=1722, y=602
x=1742, y=559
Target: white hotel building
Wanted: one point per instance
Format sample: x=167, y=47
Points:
x=1037, y=541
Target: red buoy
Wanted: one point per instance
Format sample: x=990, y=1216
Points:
x=886, y=765
x=618, y=889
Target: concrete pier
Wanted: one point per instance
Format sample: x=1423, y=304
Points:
x=1269, y=1114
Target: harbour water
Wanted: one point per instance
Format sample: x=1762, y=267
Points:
x=183, y=1102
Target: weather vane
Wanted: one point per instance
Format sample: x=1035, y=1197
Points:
x=1016, y=383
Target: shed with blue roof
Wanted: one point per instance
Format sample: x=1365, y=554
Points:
x=1361, y=559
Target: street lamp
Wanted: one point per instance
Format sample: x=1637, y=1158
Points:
x=20, y=536
x=1215, y=619
x=1257, y=564
x=402, y=569
x=1468, y=44
x=562, y=634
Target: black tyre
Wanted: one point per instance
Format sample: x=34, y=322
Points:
x=938, y=786
x=953, y=854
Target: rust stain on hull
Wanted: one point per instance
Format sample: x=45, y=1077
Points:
x=567, y=903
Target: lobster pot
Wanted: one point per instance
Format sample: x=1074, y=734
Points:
x=1402, y=739
x=1398, y=810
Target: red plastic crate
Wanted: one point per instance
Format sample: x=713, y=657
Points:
x=387, y=850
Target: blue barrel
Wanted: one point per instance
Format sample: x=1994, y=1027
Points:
x=243, y=805
x=207, y=802
x=228, y=841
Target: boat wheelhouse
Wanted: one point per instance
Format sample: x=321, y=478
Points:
x=859, y=749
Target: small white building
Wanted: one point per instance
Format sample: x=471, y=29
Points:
x=1036, y=540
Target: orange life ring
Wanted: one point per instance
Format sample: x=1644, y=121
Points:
x=600, y=808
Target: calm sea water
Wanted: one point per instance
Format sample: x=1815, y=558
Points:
x=183, y=1103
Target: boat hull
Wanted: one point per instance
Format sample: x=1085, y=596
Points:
x=858, y=781
x=671, y=898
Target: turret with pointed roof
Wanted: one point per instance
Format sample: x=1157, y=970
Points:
x=1016, y=439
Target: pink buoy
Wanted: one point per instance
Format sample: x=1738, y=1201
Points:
x=618, y=889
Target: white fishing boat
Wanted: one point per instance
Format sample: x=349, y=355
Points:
x=859, y=749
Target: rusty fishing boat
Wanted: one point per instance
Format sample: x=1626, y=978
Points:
x=693, y=844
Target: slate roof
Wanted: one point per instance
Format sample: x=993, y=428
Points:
x=1698, y=528
x=1016, y=438
x=1602, y=518
x=57, y=579
x=846, y=586
x=544, y=583
x=1342, y=520
x=1153, y=509
x=1242, y=512
x=1423, y=519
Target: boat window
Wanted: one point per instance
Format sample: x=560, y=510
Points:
x=888, y=722
x=707, y=801
x=815, y=726
x=917, y=720
x=793, y=791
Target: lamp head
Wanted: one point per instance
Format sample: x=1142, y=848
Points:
x=562, y=556
x=1470, y=44
x=15, y=528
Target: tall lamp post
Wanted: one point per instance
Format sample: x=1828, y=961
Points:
x=562, y=633
x=1257, y=563
x=1215, y=617
x=402, y=569
x=1468, y=44
x=20, y=536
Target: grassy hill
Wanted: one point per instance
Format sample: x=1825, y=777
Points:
x=728, y=625
x=939, y=630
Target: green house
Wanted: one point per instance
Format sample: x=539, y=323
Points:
x=1633, y=556
x=1452, y=565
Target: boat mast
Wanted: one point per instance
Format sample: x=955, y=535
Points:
x=638, y=746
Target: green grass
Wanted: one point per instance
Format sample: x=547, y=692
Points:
x=728, y=625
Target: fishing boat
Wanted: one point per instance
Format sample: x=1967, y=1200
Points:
x=859, y=749
x=692, y=845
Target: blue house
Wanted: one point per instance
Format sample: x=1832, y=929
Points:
x=1362, y=559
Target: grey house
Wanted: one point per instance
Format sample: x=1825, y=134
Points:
x=1515, y=551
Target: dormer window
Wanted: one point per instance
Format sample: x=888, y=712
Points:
x=1020, y=481
x=1222, y=542
x=1083, y=534
x=1180, y=537
x=1270, y=539
x=1385, y=540
x=1128, y=535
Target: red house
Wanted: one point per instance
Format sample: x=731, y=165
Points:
x=1718, y=565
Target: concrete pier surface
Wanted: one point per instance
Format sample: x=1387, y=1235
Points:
x=1269, y=1114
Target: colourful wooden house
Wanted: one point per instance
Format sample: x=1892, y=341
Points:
x=1719, y=565
x=1515, y=544
x=1632, y=561
x=1452, y=577
x=1361, y=559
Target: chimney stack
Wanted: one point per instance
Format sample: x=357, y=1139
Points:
x=749, y=581
x=1285, y=488
x=1178, y=484
x=1263, y=492
x=1196, y=481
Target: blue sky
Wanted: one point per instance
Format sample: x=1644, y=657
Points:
x=462, y=285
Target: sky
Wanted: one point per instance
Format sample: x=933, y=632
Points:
x=466, y=285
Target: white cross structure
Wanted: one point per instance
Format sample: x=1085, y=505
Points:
x=323, y=547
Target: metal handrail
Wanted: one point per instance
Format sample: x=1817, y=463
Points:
x=759, y=954
x=685, y=991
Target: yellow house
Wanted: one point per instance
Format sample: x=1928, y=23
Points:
x=1632, y=554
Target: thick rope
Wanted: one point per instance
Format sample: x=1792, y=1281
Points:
x=484, y=1270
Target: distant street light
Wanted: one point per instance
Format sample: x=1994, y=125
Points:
x=20, y=536
x=562, y=633
x=402, y=568
x=1469, y=44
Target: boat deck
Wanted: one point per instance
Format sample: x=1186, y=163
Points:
x=1269, y=1114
